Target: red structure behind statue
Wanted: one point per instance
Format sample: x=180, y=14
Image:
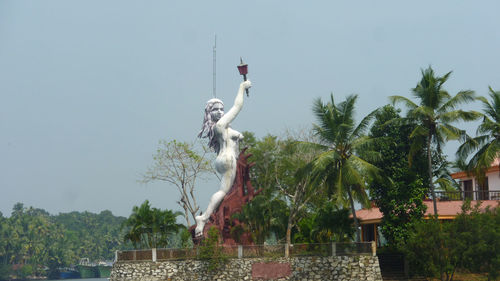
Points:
x=240, y=193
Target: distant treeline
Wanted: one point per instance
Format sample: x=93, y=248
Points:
x=32, y=240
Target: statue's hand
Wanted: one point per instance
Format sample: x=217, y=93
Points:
x=246, y=84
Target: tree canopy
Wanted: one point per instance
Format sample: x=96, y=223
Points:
x=400, y=188
x=34, y=238
x=344, y=164
x=433, y=116
x=151, y=227
x=485, y=147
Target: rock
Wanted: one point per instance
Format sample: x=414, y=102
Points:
x=303, y=268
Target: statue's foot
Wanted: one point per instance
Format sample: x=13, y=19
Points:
x=200, y=225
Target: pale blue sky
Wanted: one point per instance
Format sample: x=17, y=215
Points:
x=87, y=88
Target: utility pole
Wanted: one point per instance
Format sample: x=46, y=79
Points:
x=214, y=82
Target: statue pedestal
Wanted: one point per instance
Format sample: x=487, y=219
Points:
x=240, y=193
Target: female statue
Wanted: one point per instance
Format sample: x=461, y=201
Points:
x=224, y=140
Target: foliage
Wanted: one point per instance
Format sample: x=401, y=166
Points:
x=95, y=236
x=264, y=215
x=485, y=147
x=184, y=239
x=35, y=239
x=25, y=271
x=343, y=166
x=211, y=251
x=277, y=163
x=5, y=271
x=479, y=232
x=429, y=250
x=32, y=237
x=295, y=186
x=151, y=227
x=442, y=175
x=400, y=188
x=181, y=164
x=265, y=154
x=470, y=242
x=328, y=224
x=434, y=115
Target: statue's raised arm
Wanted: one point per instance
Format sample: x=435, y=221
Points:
x=227, y=118
x=224, y=140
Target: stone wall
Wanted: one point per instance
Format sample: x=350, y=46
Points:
x=297, y=268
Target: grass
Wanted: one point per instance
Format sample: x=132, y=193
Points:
x=461, y=276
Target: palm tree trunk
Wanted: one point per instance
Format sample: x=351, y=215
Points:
x=429, y=168
x=353, y=210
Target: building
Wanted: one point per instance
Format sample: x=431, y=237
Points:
x=489, y=189
x=449, y=204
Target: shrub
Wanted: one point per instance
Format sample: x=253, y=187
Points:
x=211, y=251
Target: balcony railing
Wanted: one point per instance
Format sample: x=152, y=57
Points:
x=471, y=195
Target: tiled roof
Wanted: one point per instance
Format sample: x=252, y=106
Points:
x=446, y=210
x=494, y=167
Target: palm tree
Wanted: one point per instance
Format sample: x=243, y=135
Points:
x=151, y=227
x=264, y=215
x=328, y=223
x=443, y=178
x=486, y=144
x=343, y=163
x=434, y=114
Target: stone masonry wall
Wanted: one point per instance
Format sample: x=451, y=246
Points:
x=299, y=268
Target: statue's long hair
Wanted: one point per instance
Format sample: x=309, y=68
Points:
x=207, y=129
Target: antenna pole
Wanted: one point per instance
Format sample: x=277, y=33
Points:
x=214, y=82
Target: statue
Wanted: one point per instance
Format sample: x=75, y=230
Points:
x=224, y=140
x=240, y=193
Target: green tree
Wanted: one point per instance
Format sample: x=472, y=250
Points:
x=38, y=240
x=265, y=154
x=211, y=251
x=485, y=147
x=89, y=235
x=428, y=249
x=343, y=165
x=296, y=187
x=31, y=235
x=277, y=163
x=399, y=190
x=266, y=214
x=478, y=232
x=470, y=242
x=25, y=271
x=151, y=227
x=443, y=179
x=326, y=224
x=434, y=115
x=5, y=269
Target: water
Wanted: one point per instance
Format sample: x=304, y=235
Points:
x=91, y=279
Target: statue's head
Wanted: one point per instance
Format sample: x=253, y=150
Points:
x=214, y=110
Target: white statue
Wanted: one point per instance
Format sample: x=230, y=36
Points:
x=224, y=140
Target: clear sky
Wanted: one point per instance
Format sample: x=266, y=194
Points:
x=88, y=88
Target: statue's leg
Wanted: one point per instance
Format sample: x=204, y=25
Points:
x=226, y=183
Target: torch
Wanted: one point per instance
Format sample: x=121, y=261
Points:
x=243, y=69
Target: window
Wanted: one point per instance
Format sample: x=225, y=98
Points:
x=467, y=187
x=483, y=190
